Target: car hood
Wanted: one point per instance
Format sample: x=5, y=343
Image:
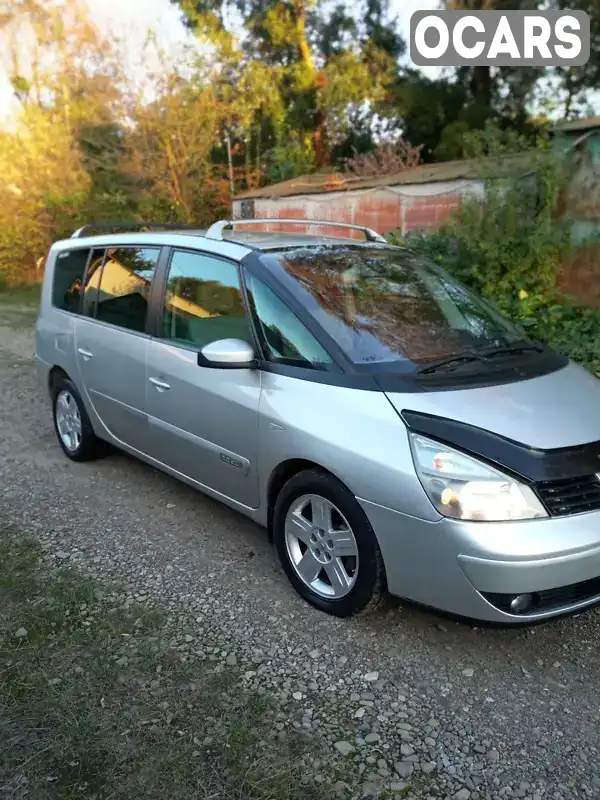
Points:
x=561, y=409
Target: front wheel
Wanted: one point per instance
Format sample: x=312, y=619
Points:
x=326, y=545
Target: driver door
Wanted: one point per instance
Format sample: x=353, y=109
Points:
x=203, y=421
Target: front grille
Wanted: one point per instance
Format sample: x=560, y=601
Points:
x=570, y=496
x=562, y=597
x=568, y=595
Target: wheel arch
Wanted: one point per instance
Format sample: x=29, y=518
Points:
x=55, y=373
x=281, y=474
x=371, y=593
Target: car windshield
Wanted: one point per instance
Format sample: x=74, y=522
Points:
x=391, y=307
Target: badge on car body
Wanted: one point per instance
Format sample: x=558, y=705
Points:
x=231, y=461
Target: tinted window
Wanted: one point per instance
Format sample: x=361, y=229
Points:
x=285, y=338
x=203, y=301
x=68, y=277
x=123, y=284
x=391, y=306
x=92, y=281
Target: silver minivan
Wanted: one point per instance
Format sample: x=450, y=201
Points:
x=391, y=429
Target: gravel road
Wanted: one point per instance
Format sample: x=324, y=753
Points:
x=398, y=699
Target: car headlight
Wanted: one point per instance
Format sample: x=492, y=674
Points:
x=460, y=486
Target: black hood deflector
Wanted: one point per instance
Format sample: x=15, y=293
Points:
x=531, y=464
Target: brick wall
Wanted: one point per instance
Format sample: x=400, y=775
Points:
x=424, y=206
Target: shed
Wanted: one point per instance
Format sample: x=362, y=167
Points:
x=581, y=138
x=425, y=196
x=422, y=197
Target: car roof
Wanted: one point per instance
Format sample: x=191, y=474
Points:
x=192, y=240
x=196, y=238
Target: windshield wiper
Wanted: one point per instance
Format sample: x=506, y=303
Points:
x=461, y=358
x=509, y=349
x=481, y=355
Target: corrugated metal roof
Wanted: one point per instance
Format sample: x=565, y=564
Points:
x=323, y=182
x=583, y=124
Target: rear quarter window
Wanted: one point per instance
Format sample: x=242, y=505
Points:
x=67, y=281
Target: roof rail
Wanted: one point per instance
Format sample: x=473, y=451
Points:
x=216, y=229
x=128, y=226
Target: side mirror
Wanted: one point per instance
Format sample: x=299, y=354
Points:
x=227, y=354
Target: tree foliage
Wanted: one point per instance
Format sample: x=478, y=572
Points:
x=511, y=248
x=67, y=84
x=265, y=91
x=320, y=66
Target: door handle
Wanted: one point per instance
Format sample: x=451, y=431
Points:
x=85, y=354
x=162, y=386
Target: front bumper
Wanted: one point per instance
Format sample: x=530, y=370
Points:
x=473, y=568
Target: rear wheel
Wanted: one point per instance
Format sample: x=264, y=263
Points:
x=326, y=545
x=72, y=424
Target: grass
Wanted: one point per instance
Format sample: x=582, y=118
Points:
x=28, y=293
x=19, y=306
x=95, y=705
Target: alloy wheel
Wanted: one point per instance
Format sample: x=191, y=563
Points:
x=68, y=420
x=321, y=546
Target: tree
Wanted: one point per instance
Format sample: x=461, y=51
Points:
x=169, y=155
x=55, y=59
x=576, y=83
x=485, y=82
x=510, y=91
x=323, y=66
x=66, y=81
x=426, y=109
x=42, y=173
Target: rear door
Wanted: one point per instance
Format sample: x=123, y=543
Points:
x=111, y=339
x=203, y=421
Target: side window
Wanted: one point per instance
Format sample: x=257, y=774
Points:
x=69, y=269
x=286, y=339
x=124, y=286
x=92, y=283
x=203, y=301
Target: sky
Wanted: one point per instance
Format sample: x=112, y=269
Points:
x=131, y=20
x=134, y=18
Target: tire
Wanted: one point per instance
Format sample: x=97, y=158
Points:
x=302, y=524
x=67, y=408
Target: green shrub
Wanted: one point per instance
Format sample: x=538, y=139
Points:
x=574, y=331
x=509, y=248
